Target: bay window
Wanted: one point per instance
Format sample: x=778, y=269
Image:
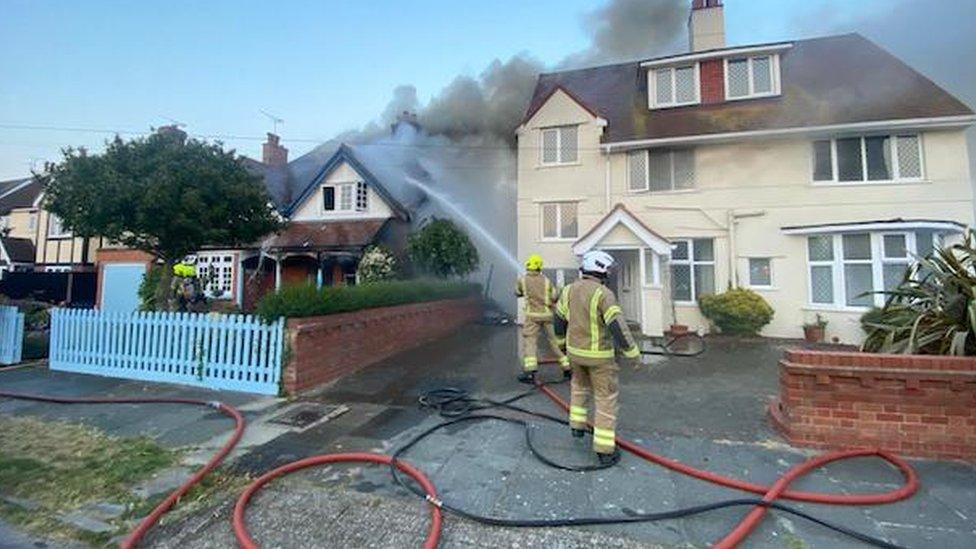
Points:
x=692, y=269
x=845, y=270
x=877, y=158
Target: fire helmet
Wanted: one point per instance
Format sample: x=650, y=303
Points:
x=534, y=263
x=596, y=262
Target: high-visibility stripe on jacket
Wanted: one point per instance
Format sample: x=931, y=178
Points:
x=539, y=295
x=588, y=314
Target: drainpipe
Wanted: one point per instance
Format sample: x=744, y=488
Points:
x=606, y=183
x=733, y=219
x=277, y=272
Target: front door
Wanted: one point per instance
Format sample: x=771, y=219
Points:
x=626, y=283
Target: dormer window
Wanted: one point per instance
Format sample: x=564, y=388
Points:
x=673, y=86
x=754, y=76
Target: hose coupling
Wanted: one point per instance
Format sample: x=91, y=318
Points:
x=434, y=501
x=215, y=404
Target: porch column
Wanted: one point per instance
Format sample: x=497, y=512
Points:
x=318, y=271
x=277, y=272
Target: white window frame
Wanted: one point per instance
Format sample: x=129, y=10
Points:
x=559, y=221
x=217, y=261
x=878, y=261
x=895, y=162
x=652, y=102
x=691, y=262
x=51, y=233
x=362, y=192
x=341, y=188
x=559, y=146
x=647, y=173
x=772, y=275
x=775, y=88
x=650, y=262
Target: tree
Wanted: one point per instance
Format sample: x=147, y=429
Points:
x=163, y=194
x=442, y=249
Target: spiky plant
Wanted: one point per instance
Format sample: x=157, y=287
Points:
x=932, y=311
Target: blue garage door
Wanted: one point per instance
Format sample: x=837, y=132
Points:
x=120, y=287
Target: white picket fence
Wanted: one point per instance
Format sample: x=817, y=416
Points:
x=231, y=352
x=11, y=334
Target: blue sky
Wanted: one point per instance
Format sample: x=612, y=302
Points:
x=322, y=66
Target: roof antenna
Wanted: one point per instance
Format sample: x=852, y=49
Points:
x=274, y=120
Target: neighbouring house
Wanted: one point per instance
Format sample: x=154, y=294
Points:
x=811, y=171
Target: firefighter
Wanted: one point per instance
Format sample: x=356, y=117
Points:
x=588, y=316
x=540, y=295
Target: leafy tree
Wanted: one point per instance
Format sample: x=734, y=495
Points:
x=442, y=249
x=163, y=194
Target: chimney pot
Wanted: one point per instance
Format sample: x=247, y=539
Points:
x=272, y=153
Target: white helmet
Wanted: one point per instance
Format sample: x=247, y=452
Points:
x=596, y=261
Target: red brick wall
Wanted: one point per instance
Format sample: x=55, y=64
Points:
x=712, y=81
x=921, y=406
x=324, y=348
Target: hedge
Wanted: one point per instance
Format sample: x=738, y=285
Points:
x=306, y=300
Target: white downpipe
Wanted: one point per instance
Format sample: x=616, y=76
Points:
x=606, y=182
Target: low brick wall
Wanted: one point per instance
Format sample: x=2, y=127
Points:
x=324, y=348
x=923, y=406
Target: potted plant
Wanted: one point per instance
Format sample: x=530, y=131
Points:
x=815, y=332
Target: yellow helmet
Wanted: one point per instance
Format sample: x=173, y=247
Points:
x=534, y=263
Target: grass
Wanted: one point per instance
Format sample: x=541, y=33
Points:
x=62, y=466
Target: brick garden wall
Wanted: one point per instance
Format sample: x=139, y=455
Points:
x=324, y=348
x=922, y=406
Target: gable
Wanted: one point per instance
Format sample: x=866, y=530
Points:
x=559, y=108
x=621, y=228
x=311, y=208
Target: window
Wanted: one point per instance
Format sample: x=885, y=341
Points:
x=345, y=197
x=673, y=86
x=361, y=197
x=57, y=269
x=218, y=272
x=661, y=170
x=747, y=77
x=55, y=227
x=651, y=265
x=32, y=221
x=760, y=272
x=560, y=145
x=692, y=269
x=328, y=198
x=559, y=220
x=868, y=159
x=846, y=269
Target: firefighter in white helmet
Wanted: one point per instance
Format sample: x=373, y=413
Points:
x=588, y=316
x=540, y=296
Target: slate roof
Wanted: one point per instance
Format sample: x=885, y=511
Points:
x=832, y=80
x=20, y=250
x=19, y=193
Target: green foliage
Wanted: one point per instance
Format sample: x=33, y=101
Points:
x=149, y=288
x=163, y=194
x=306, y=300
x=376, y=265
x=442, y=249
x=933, y=310
x=738, y=311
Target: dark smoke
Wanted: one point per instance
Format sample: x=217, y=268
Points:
x=625, y=30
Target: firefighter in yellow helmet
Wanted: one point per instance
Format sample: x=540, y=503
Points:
x=588, y=316
x=540, y=296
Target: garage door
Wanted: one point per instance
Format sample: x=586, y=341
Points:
x=120, y=287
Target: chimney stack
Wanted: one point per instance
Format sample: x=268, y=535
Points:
x=706, y=26
x=272, y=153
x=405, y=117
x=172, y=131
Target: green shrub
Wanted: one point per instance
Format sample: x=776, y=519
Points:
x=442, y=249
x=305, y=300
x=738, y=311
x=933, y=309
x=376, y=265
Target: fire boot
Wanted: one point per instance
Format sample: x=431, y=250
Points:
x=609, y=459
x=567, y=374
x=527, y=377
x=578, y=433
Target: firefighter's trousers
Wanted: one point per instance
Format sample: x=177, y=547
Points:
x=601, y=382
x=530, y=338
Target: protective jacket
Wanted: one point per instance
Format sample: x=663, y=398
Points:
x=588, y=316
x=539, y=295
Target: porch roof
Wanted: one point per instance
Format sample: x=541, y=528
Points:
x=326, y=235
x=621, y=216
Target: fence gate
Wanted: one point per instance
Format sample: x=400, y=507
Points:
x=231, y=352
x=11, y=334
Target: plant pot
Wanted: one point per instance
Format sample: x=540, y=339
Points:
x=813, y=333
x=677, y=330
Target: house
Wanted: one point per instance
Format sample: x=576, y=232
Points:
x=811, y=171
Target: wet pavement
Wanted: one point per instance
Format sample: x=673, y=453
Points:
x=707, y=411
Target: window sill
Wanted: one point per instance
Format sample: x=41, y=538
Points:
x=763, y=288
x=663, y=193
x=836, y=308
x=558, y=240
x=58, y=236
x=753, y=96
x=656, y=107
x=558, y=165
x=686, y=304
x=870, y=183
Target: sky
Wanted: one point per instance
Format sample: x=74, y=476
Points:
x=329, y=66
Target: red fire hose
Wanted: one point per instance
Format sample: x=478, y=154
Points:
x=240, y=528
x=146, y=523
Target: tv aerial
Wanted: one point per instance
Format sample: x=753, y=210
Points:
x=274, y=119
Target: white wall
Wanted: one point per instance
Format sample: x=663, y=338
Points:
x=311, y=208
